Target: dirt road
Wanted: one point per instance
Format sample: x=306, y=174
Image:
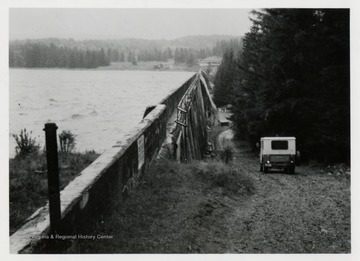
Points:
x=213, y=208
x=308, y=212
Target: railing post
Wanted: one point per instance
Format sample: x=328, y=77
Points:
x=53, y=175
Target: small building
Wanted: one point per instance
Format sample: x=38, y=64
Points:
x=212, y=61
x=210, y=64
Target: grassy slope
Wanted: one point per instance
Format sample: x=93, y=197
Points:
x=176, y=207
x=210, y=207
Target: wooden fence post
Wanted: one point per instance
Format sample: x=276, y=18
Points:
x=53, y=175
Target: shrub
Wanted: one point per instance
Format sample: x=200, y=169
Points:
x=227, y=154
x=28, y=182
x=67, y=141
x=25, y=144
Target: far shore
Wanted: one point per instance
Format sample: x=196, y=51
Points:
x=128, y=66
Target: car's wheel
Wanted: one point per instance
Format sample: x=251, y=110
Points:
x=261, y=168
x=266, y=169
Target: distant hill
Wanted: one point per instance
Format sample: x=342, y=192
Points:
x=135, y=44
x=68, y=53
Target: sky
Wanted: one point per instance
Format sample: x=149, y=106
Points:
x=111, y=23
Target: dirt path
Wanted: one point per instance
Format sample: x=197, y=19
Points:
x=304, y=213
x=210, y=207
x=225, y=138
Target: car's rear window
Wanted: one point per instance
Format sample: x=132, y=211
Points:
x=279, y=145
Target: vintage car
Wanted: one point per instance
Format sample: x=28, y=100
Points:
x=278, y=153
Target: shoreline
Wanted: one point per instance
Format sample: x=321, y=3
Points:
x=126, y=66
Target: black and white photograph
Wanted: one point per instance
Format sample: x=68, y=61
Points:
x=180, y=130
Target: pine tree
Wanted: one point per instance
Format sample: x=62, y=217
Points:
x=294, y=80
x=223, y=79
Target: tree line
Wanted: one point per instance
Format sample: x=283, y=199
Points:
x=292, y=78
x=57, y=53
x=37, y=55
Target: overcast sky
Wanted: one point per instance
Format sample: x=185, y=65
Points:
x=113, y=23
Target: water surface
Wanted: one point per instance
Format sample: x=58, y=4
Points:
x=97, y=106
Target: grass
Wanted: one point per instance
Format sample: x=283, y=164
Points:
x=173, y=205
x=28, y=182
x=228, y=178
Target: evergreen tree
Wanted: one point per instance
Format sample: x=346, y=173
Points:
x=223, y=79
x=293, y=79
x=37, y=55
x=122, y=57
x=191, y=59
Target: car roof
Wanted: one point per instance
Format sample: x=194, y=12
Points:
x=278, y=138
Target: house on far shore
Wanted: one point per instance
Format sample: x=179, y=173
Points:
x=210, y=63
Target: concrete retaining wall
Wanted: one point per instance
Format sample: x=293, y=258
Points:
x=105, y=182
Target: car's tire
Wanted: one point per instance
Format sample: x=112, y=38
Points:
x=261, y=168
x=266, y=169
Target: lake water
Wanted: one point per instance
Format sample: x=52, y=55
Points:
x=98, y=106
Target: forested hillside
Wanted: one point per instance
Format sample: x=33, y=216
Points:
x=68, y=53
x=292, y=78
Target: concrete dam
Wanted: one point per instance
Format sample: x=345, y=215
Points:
x=176, y=128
